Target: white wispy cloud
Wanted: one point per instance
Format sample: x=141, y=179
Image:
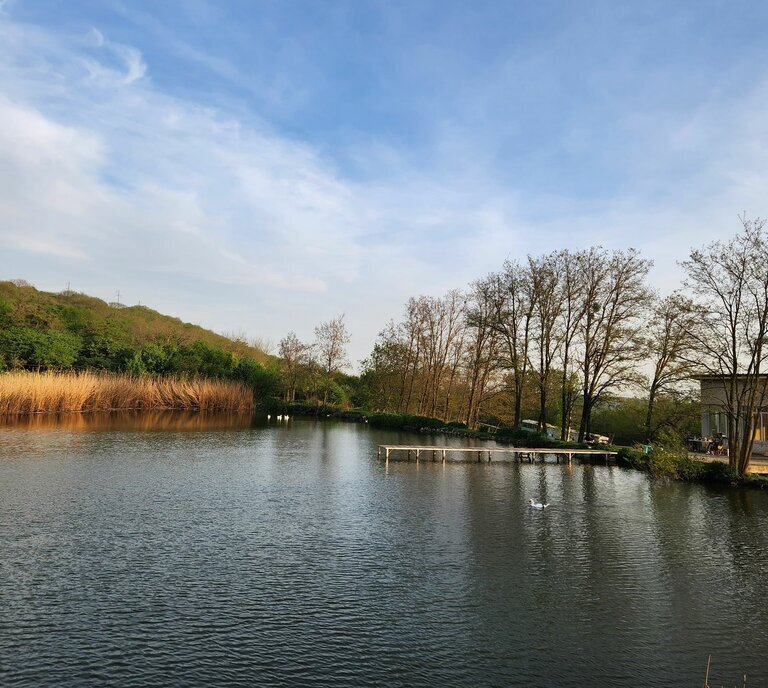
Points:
x=108, y=181
x=107, y=174
x=133, y=67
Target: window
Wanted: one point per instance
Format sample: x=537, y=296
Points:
x=718, y=423
x=762, y=427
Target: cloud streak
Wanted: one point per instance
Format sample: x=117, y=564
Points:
x=109, y=181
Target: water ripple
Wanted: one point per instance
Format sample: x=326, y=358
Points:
x=257, y=557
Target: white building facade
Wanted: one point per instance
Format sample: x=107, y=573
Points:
x=714, y=416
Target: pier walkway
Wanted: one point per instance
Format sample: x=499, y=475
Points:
x=405, y=452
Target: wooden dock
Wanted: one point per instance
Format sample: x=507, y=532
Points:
x=405, y=452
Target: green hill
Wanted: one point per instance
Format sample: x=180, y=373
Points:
x=43, y=330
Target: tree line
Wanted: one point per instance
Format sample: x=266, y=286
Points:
x=560, y=328
x=558, y=334
x=312, y=371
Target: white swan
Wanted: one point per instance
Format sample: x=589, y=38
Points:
x=279, y=418
x=269, y=417
x=286, y=417
x=537, y=505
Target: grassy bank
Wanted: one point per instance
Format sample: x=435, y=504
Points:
x=24, y=393
x=660, y=463
x=678, y=465
x=411, y=423
x=514, y=436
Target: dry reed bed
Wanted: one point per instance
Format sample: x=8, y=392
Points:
x=22, y=393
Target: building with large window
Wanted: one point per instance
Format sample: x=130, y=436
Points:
x=714, y=408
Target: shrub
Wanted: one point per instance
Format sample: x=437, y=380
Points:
x=401, y=421
x=720, y=471
x=662, y=463
x=634, y=457
x=263, y=380
x=26, y=347
x=386, y=420
x=525, y=438
x=670, y=458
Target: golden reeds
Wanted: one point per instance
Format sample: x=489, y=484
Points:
x=148, y=419
x=23, y=392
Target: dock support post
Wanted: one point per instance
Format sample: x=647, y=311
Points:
x=443, y=455
x=417, y=455
x=489, y=456
x=409, y=455
x=387, y=453
x=434, y=455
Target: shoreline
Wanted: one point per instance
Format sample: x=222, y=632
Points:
x=658, y=464
x=688, y=467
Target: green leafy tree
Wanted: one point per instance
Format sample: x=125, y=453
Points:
x=25, y=347
x=265, y=381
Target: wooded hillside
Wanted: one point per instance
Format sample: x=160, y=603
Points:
x=41, y=330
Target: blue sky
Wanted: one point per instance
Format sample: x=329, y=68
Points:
x=261, y=166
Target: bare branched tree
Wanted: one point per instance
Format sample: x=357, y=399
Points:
x=616, y=299
x=671, y=346
x=482, y=350
x=264, y=344
x=546, y=288
x=574, y=304
x=729, y=281
x=442, y=320
x=411, y=332
x=513, y=303
x=331, y=339
x=294, y=356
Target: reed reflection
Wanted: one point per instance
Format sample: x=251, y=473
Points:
x=141, y=421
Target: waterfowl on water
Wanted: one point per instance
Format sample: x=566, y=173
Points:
x=537, y=505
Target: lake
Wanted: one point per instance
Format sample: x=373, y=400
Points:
x=188, y=550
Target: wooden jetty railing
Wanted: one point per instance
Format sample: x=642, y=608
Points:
x=520, y=453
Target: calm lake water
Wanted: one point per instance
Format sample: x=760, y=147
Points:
x=177, y=550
